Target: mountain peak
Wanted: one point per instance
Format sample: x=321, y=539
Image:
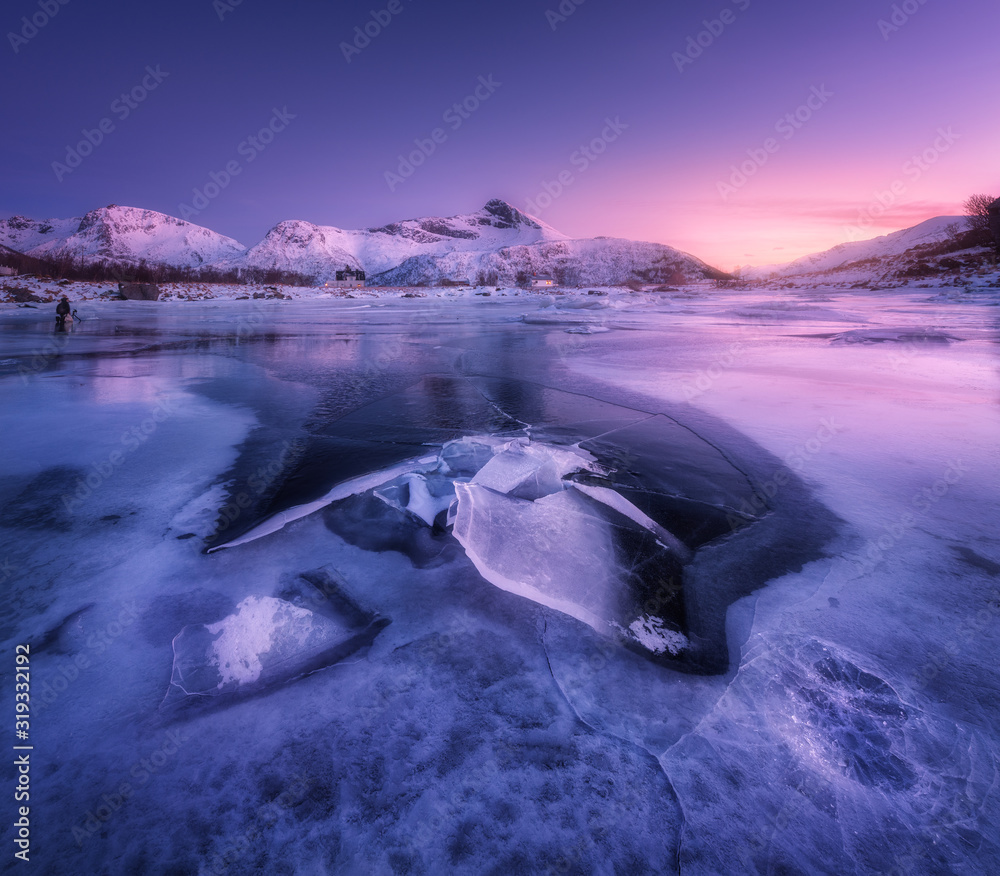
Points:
x=506, y=215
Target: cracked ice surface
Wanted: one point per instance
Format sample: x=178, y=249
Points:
x=832, y=708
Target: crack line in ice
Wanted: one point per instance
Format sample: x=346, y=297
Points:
x=609, y=734
x=649, y=415
x=497, y=407
x=684, y=426
x=645, y=419
x=620, y=504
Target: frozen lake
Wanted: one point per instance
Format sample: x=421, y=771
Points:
x=607, y=584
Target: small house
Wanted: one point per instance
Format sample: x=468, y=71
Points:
x=542, y=281
x=348, y=279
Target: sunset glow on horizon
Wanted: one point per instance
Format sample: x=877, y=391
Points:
x=738, y=132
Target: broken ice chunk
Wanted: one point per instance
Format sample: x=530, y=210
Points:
x=465, y=456
x=347, y=488
x=905, y=335
x=553, y=550
x=429, y=498
x=531, y=471
x=266, y=640
x=422, y=497
x=587, y=330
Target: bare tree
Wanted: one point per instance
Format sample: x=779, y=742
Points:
x=977, y=212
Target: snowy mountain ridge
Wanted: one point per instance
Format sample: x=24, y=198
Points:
x=320, y=250
x=122, y=235
x=883, y=248
x=497, y=241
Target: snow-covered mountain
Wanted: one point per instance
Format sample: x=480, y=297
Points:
x=301, y=248
x=498, y=242
x=23, y=234
x=122, y=235
x=319, y=251
x=876, y=255
x=600, y=261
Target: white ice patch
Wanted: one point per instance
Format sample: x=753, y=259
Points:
x=423, y=502
x=266, y=639
x=260, y=624
x=654, y=636
x=200, y=515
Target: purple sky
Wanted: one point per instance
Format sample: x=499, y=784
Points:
x=852, y=118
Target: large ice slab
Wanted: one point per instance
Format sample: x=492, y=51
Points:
x=553, y=550
x=580, y=549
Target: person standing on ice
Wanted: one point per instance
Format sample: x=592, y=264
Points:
x=62, y=311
